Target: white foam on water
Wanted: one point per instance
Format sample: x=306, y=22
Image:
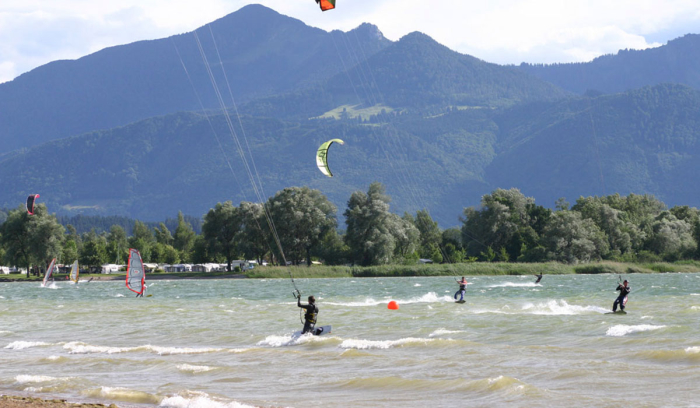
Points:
x=647, y=317
x=695, y=294
x=620, y=330
x=515, y=285
x=440, y=332
x=75, y=347
x=21, y=345
x=123, y=394
x=417, y=285
x=560, y=307
x=692, y=350
x=164, y=351
x=119, y=295
x=59, y=307
x=203, y=401
x=31, y=379
x=283, y=341
x=381, y=344
x=194, y=369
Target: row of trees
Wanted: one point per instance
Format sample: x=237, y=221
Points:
x=299, y=224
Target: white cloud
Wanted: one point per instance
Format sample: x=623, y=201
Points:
x=35, y=32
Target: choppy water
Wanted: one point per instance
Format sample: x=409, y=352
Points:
x=227, y=343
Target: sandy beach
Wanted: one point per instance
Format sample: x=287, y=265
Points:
x=11, y=401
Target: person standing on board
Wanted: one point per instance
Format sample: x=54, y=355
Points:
x=539, y=278
x=622, y=299
x=462, y=289
x=310, y=315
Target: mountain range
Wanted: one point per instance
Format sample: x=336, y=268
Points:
x=122, y=131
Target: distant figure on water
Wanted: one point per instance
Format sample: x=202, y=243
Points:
x=310, y=315
x=539, y=278
x=622, y=299
x=462, y=288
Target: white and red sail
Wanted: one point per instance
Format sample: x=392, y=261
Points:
x=49, y=272
x=135, y=273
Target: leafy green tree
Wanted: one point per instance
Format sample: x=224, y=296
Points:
x=200, y=253
x=504, y=221
x=220, y=229
x=163, y=253
x=672, y=238
x=117, y=245
x=72, y=234
x=163, y=235
x=142, y=239
x=369, y=235
x=15, y=239
x=254, y=240
x=430, y=234
x=45, y=235
x=94, y=252
x=332, y=249
x=184, y=238
x=570, y=238
x=69, y=252
x=301, y=217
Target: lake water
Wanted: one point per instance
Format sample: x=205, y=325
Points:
x=227, y=343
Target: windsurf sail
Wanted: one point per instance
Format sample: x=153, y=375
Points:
x=74, y=272
x=322, y=156
x=135, y=273
x=49, y=272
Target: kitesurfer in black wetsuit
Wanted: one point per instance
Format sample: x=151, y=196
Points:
x=624, y=291
x=539, y=278
x=310, y=315
x=462, y=288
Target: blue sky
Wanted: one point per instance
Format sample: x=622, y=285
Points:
x=35, y=32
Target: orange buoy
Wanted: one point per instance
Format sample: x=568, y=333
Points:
x=393, y=305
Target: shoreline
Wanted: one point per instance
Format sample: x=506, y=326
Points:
x=421, y=270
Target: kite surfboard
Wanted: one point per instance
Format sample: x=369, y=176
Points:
x=618, y=312
x=460, y=301
x=318, y=331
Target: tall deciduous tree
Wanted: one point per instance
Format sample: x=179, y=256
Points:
x=15, y=239
x=117, y=245
x=184, y=238
x=221, y=226
x=301, y=217
x=45, y=235
x=254, y=241
x=369, y=233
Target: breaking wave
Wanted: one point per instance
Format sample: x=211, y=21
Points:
x=360, y=344
x=21, y=345
x=75, y=347
x=440, y=332
x=620, y=330
x=199, y=400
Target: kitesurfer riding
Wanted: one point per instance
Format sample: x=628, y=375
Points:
x=310, y=315
x=462, y=289
x=621, y=300
x=539, y=278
